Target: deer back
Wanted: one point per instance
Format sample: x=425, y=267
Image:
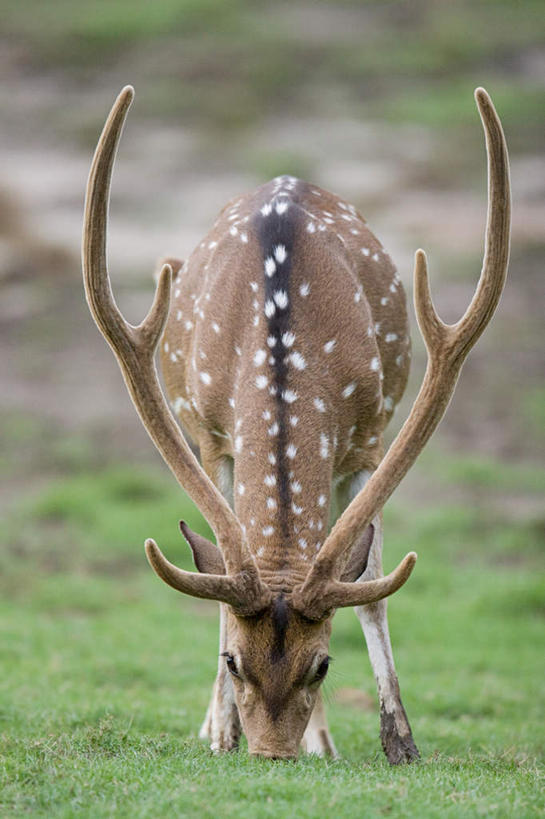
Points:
x=286, y=349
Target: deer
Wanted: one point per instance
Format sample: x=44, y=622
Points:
x=285, y=349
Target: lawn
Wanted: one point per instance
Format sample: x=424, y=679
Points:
x=106, y=672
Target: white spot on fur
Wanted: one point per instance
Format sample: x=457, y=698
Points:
x=268, y=531
x=241, y=489
x=324, y=445
x=298, y=361
x=206, y=378
x=291, y=451
x=266, y=209
x=296, y=509
x=238, y=443
x=372, y=440
x=384, y=301
x=244, y=238
x=304, y=290
x=322, y=500
x=302, y=543
x=311, y=227
x=273, y=429
x=375, y=364
x=388, y=403
x=261, y=382
x=270, y=480
x=329, y=345
x=294, y=420
x=295, y=487
x=357, y=296
x=271, y=503
x=319, y=404
x=215, y=327
x=281, y=207
x=188, y=325
x=254, y=286
x=349, y=389
x=271, y=341
x=266, y=415
x=289, y=396
x=390, y=337
x=281, y=299
x=271, y=457
x=259, y=357
x=270, y=266
x=288, y=338
x=280, y=253
x=270, y=309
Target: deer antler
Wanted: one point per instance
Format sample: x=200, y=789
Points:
x=134, y=348
x=447, y=346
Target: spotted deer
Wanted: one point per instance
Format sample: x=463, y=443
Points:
x=285, y=349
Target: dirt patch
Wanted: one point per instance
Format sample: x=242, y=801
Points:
x=355, y=698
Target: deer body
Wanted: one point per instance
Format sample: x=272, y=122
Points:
x=284, y=355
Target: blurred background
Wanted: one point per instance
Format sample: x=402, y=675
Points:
x=372, y=100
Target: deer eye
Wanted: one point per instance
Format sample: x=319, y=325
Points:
x=231, y=664
x=322, y=669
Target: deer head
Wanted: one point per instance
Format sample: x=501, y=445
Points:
x=279, y=617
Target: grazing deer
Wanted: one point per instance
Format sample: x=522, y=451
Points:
x=285, y=350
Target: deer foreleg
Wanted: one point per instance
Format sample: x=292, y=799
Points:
x=222, y=723
x=395, y=731
x=317, y=739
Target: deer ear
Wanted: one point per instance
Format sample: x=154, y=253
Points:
x=207, y=557
x=357, y=562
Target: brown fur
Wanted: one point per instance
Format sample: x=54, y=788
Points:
x=216, y=283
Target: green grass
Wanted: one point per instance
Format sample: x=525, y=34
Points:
x=106, y=672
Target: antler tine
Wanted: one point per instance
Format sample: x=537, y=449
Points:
x=134, y=348
x=243, y=591
x=498, y=221
x=448, y=346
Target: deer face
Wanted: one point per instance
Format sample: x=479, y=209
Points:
x=277, y=661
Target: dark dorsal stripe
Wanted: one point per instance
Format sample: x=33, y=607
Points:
x=276, y=226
